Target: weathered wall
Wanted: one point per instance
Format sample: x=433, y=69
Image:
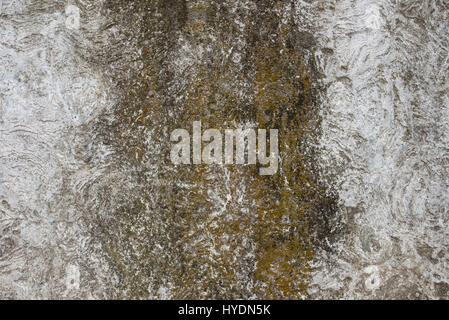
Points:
x=92, y=207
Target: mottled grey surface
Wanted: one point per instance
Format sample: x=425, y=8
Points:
x=385, y=136
x=85, y=195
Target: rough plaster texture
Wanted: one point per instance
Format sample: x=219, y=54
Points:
x=91, y=207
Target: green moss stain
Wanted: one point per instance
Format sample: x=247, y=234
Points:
x=283, y=90
x=214, y=232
